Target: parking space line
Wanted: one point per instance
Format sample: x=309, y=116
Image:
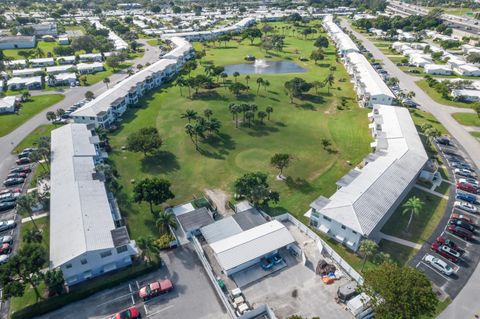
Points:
x=133, y=300
x=436, y=271
x=138, y=286
x=159, y=311
x=112, y=300
x=145, y=307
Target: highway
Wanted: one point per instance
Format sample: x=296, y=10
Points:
x=465, y=305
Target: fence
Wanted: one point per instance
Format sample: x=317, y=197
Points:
x=323, y=247
x=208, y=269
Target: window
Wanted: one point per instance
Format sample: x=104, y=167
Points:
x=83, y=261
x=326, y=218
x=106, y=254
x=122, y=249
x=68, y=266
x=92, y=118
x=374, y=98
x=343, y=227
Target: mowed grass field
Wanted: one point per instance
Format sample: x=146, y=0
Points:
x=296, y=129
x=34, y=105
x=47, y=47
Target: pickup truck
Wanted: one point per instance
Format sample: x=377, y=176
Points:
x=155, y=288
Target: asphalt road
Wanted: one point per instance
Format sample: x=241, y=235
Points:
x=192, y=296
x=72, y=95
x=465, y=305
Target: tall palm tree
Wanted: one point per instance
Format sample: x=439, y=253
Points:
x=25, y=204
x=39, y=53
x=249, y=115
x=165, y=221
x=208, y=113
x=190, y=132
x=247, y=78
x=266, y=84
x=236, y=75
x=269, y=110
x=235, y=111
x=260, y=83
x=148, y=247
x=51, y=79
x=180, y=82
x=413, y=206
x=329, y=81
x=262, y=115
x=189, y=115
x=32, y=236
x=231, y=108
x=213, y=126
x=106, y=81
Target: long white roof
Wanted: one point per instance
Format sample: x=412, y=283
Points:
x=240, y=248
x=80, y=215
x=363, y=202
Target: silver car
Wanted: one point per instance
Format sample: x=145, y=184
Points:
x=7, y=224
x=439, y=264
x=6, y=239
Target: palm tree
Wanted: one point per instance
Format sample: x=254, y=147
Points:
x=106, y=81
x=247, y=78
x=148, y=247
x=367, y=248
x=235, y=75
x=234, y=109
x=25, y=204
x=249, y=116
x=130, y=72
x=165, y=221
x=269, y=110
x=262, y=115
x=224, y=76
x=413, y=206
x=25, y=95
x=39, y=53
x=208, y=113
x=213, y=126
x=180, y=82
x=266, y=84
x=51, y=79
x=189, y=115
x=51, y=116
x=259, y=82
x=32, y=236
x=329, y=81
x=318, y=85
x=189, y=131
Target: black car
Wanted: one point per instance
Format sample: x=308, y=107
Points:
x=6, y=206
x=461, y=223
x=13, y=181
x=443, y=141
x=21, y=169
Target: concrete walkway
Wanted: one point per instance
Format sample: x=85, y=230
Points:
x=400, y=241
x=28, y=219
x=431, y=192
x=472, y=128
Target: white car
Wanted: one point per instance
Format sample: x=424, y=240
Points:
x=465, y=206
x=6, y=239
x=439, y=264
x=464, y=172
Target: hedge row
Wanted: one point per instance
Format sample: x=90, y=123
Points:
x=84, y=290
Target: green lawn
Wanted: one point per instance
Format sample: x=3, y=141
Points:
x=443, y=188
x=422, y=225
x=29, y=140
x=399, y=253
x=475, y=134
x=29, y=297
x=421, y=117
x=47, y=47
x=99, y=76
x=37, y=173
x=35, y=104
x=468, y=119
x=295, y=129
x=437, y=97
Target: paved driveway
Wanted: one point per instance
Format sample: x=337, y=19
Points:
x=192, y=297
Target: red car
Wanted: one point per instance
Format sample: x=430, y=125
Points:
x=447, y=242
x=460, y=232
x=446, y=252
x=130, y=313
x=5, y=249
x=467, y=187
x=155, y=288
x=462, y=217
x=21, y=169
x=21, y=161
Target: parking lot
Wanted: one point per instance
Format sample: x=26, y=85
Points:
x=192, y=296
x=470, y=249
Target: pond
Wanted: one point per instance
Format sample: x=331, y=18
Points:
x=264, y=67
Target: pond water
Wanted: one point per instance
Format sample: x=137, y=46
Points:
x=264, y=67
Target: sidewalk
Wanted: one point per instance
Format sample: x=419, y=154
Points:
x=28, y=219
x=400, y=241
x=431, y=192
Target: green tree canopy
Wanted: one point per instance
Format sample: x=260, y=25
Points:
x=254, y=187
x=146, y=140
x=154, y=191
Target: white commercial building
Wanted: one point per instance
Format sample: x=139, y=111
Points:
x=17, y=42
x=68, y=78
x=84, y=239
x=8, y=104
x=88, y=68
x=70, y=59
x=15, y=64
x=26, y=72
x=42, y=62
x=441, y=69
x=467, y=70
x=60, y=69
x=90, y=57
x=45, y=28
x=467, y=95
x=246, y=248
x=31, y=83
x=367, y=196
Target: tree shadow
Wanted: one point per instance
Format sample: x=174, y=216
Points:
x=246, y=97
x=273, y=92
x=299, y=184
x=307, y=106
x=208, y=95
x=222, y=143
x=323, y=65
x=280, y=124
x=274, y=99
x=259, y=130
x=161, y=162
x=312, y=98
